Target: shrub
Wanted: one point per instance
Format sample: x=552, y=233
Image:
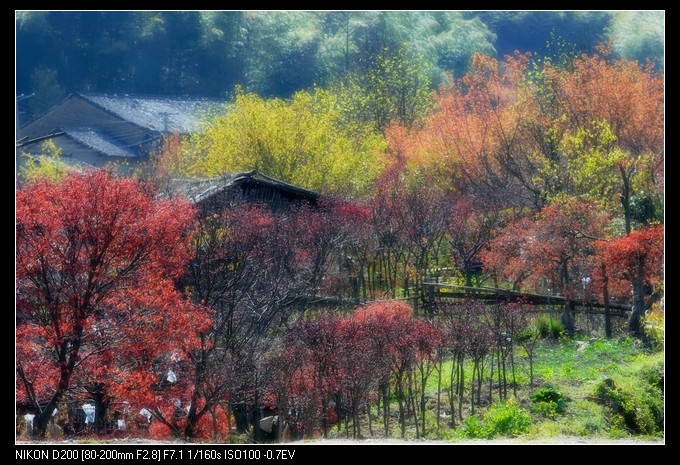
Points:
x=548, y=402
x=549, y=326
x=655, y=329
x=506, y=419
x=637, y=408
x=654, y=376
x=474, y=428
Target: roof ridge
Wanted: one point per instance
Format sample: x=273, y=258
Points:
x=209, y=186
x=45, y=112
x=87, y=95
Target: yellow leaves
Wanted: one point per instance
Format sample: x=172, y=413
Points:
x=301, y=141
x=47, y=165
x=593, y=156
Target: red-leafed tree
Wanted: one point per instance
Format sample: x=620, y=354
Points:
x=293, y=390
x=559, y=246
x=387, y=227
x=469, y=227
x=409, y=213
x=313, y=344
x=630, y=98
x=476, y=137
x=632, y=263
x=359, y=246
x=359, y=364
x=227, y=252
x=95, y=261
x=426, y=339
x=399, y=345
x=387, y=323
x=251, y=267
x=466, y=335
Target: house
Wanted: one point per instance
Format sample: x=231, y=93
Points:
x=213, y=194
x=100, y=129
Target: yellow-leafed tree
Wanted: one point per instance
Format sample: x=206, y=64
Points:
x=303, y=141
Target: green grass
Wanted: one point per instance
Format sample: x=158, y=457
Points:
x=575, y=372
x=566, y=362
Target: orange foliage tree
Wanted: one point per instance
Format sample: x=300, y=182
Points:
x=520, y=134
x=558, y=246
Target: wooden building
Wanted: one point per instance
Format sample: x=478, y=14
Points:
x=214, y=194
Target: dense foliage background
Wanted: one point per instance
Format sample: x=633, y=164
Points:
x=278, y=53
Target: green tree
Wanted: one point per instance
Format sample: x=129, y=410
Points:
x=48, y=92
x=444, y=41
x=638, y=35
x=394, y=88
x=281, y=50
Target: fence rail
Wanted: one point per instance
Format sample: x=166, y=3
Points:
x=439, y=291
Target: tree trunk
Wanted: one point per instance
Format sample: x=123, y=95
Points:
x=568, y=318
x=257, y=432
x=491, y=380
x=101, y=405
x=193, y=416
x=412, y=402
x=324, y=407
x=357, y=423
x=638, y=310
x=439, y=391
x=370, y=421
x=461, y=388
x=402, y=412
x=505, y=379
x=635, y=323
x=625, y=198
x=68, y=354
x=42, y=418
x=512, y=367
x=386, y=408
x=467, y=264
x=605, y=297
x=451, y=391
x=480, y=381
x=472, y=388
x=423, y=399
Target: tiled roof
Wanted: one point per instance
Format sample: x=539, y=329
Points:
x=198, y=190
x=163, y=114
x=96, y=141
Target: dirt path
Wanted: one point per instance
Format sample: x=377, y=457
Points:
x=503, y=441
x=376, y=441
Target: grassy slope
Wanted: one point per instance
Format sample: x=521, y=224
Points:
x=575, y=371
x=576, y=374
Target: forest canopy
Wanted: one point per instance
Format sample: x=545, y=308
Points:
x=207, y=53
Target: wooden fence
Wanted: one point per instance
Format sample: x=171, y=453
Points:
x=436, y=292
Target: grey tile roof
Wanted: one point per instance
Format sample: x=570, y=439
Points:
x=162, y=114
x=199, y=190
x=96, y=141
